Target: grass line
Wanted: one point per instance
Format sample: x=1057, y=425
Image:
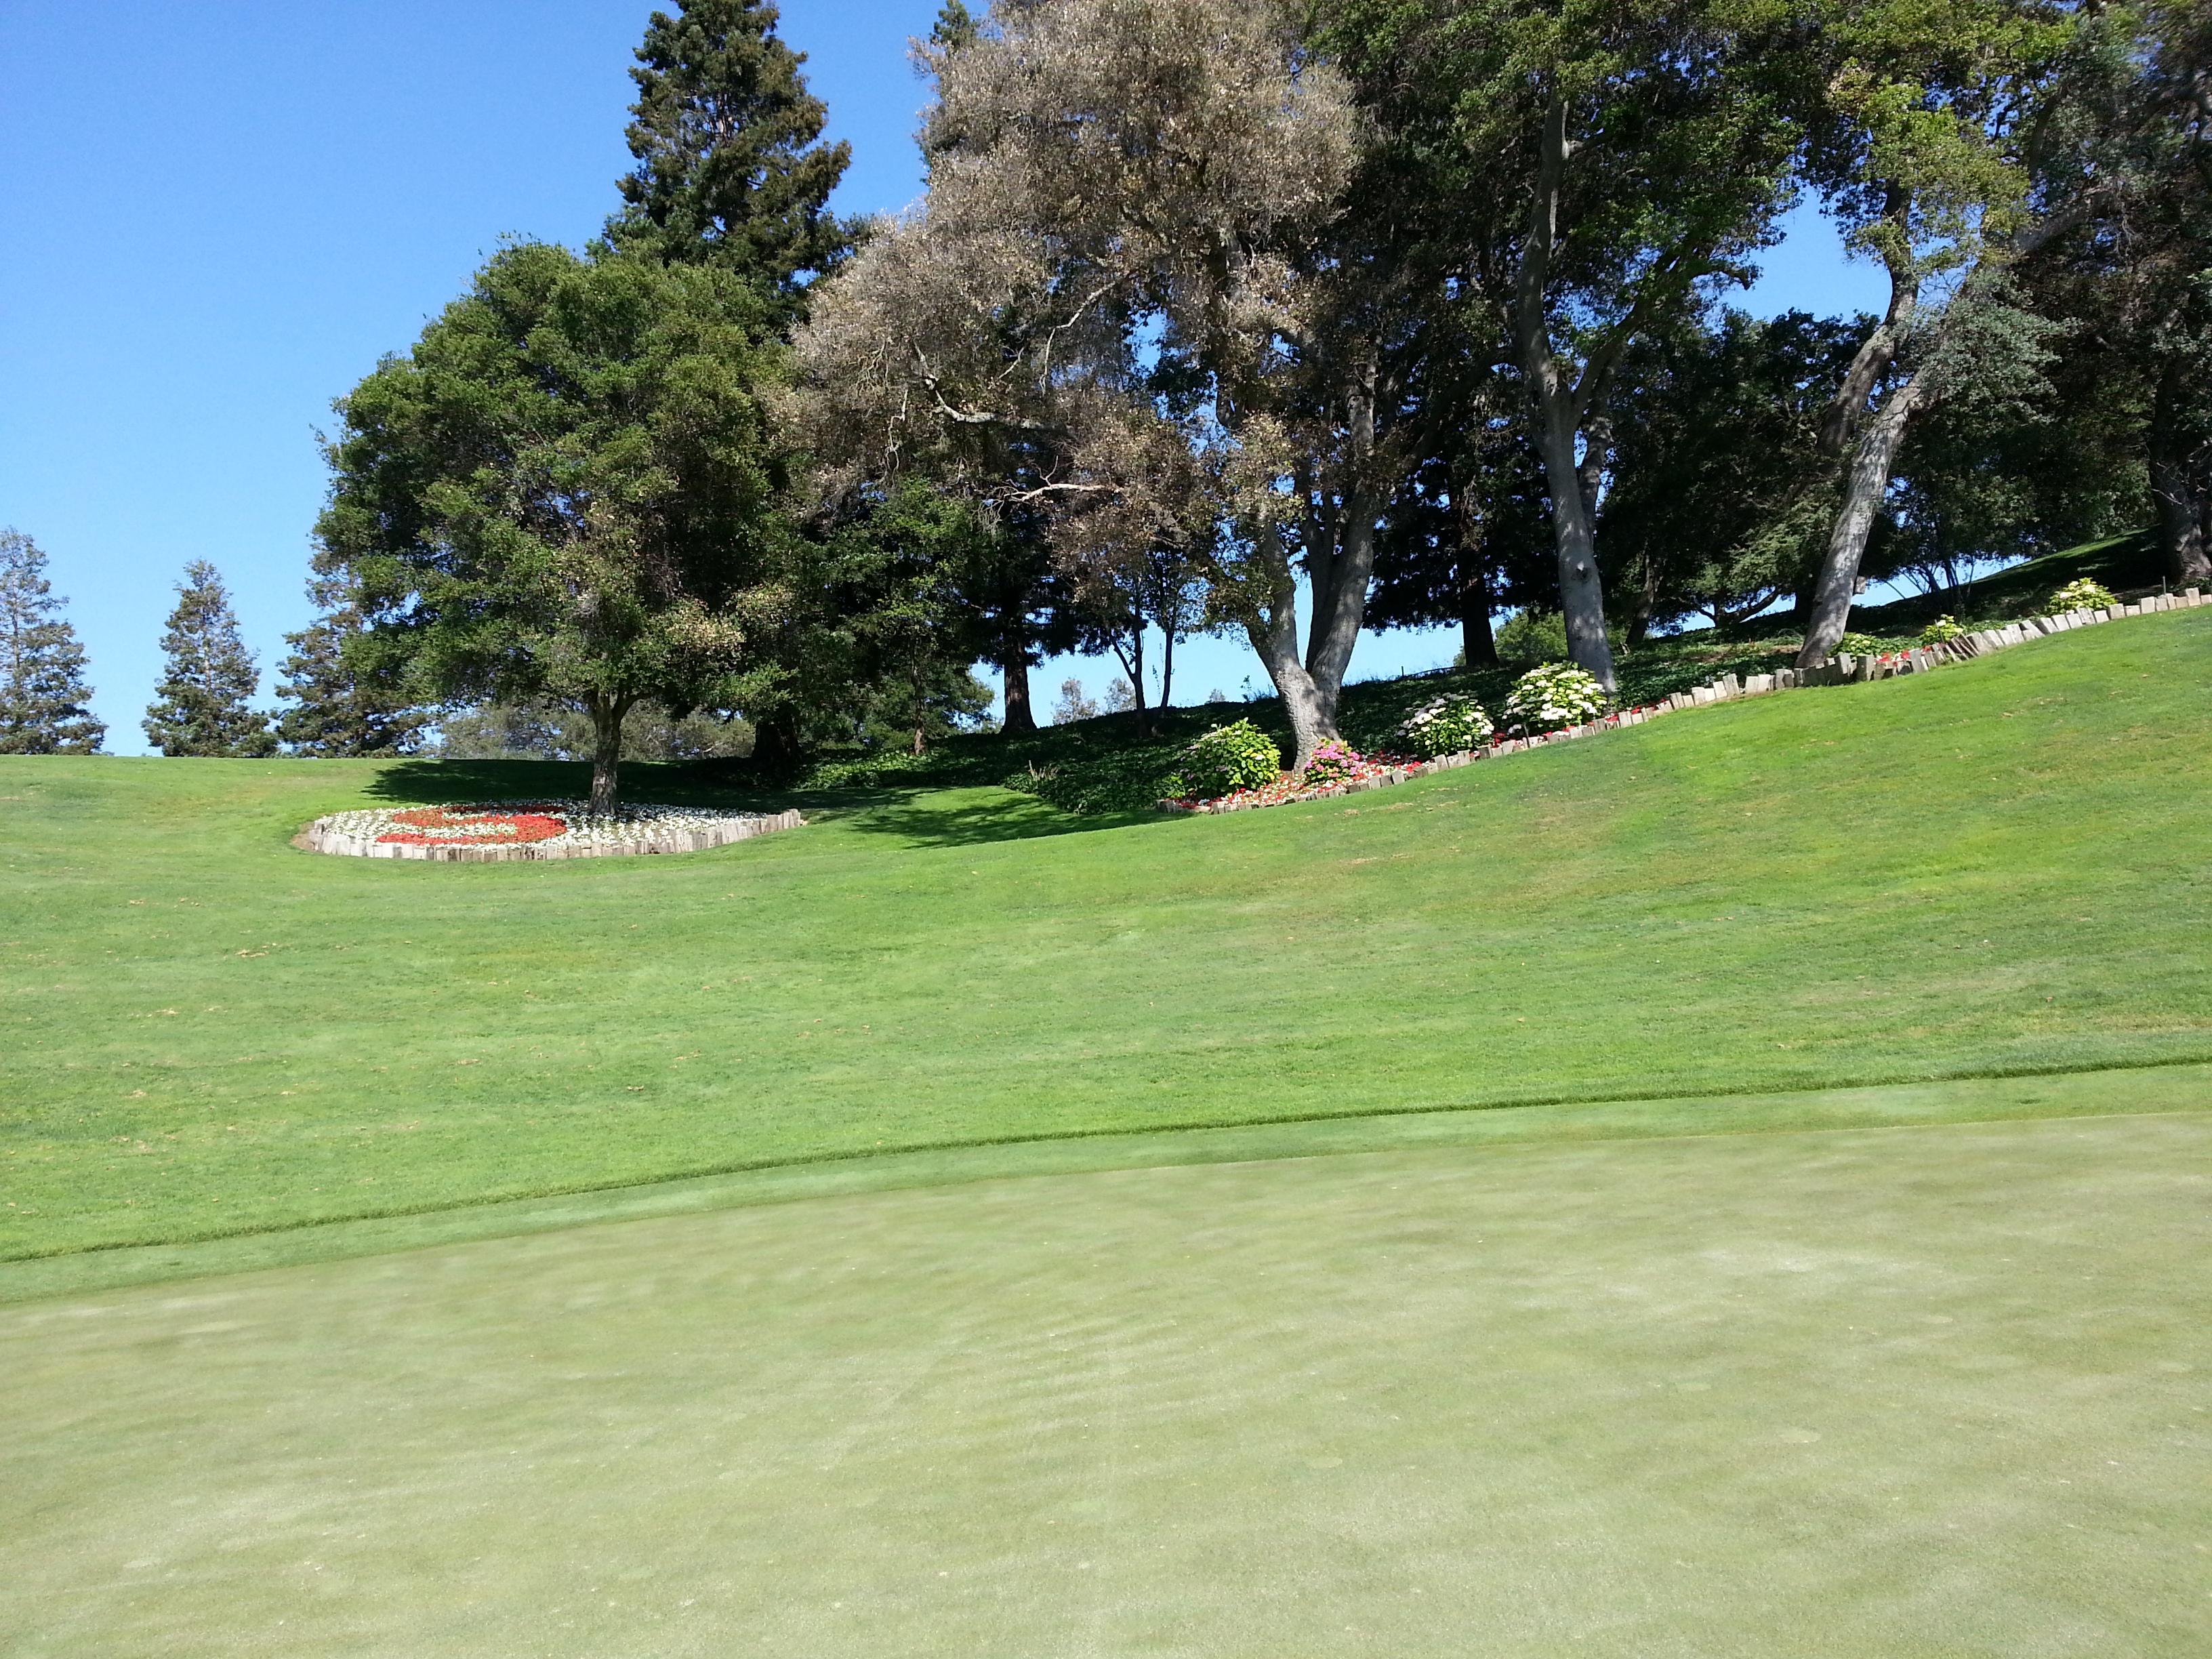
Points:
x=755, y=1166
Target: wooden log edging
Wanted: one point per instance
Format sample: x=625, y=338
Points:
x=321, y=836
x=1842, y=669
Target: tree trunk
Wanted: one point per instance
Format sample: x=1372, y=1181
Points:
x=1478, y=639
x=607, y=711
x=2179, y=488
x=1336, y=619
x=1863, y=489
x=1582, y=596
x=1167, y=663
x=1560, y=408
x=1477, y=644
x=1014, y=667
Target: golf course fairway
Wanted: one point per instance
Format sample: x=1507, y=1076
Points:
x=1922, y=1390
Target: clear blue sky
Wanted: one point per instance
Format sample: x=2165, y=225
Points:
x=216, y=218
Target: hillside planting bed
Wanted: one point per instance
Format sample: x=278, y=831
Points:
x=1361, y=772
x=490, y=832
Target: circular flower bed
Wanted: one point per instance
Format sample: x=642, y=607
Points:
x=534, y=830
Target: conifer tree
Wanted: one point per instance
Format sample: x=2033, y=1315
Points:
x=343, y=708
x=204, y=704
x=730, y=166
x=42, y=689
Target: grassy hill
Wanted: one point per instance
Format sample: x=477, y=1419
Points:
x=2006, y=868
x=1745, y=1342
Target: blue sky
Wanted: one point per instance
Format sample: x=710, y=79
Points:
x=217, y=217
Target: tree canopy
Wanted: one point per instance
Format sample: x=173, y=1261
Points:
x=43, y=694
x=568, y=489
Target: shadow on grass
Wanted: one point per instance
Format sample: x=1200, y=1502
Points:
x=964, y=817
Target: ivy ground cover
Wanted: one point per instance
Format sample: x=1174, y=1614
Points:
x=2004, y=868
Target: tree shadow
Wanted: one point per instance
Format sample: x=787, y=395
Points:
x=964, y=817
x=426, y=782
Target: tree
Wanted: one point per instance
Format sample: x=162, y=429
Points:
x=1594, y=167
x=1924, y=150
x=2131, y=276
x=1074, y=704
x=548, y=731
x=566, y=490
x=1121, y=227
x=42, y=689
x=340, y=710
x=1718, y=494
x=730, y=170
x=204, y=704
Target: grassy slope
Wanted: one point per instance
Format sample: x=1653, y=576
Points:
x=2001, y=868
x=1914, y=1392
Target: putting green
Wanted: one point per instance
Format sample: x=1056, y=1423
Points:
x=1924, y=1390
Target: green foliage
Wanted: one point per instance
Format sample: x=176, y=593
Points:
x=204, y=704
x=2081, y=595
x=1719, y=495
x=1449, y=725
x=1860, y=645
x=1556, y=694
x=43, y=694
x=1238, y=756
x=1943, y=631
x=1117, y=782
x=567, y=491
x=343, y=708
x=1529, y=637
x=729, y=166
x=550, y=732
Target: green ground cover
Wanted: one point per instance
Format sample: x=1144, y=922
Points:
x=1918, y=1391
x=2000, y=868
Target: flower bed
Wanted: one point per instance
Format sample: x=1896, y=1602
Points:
x=1377, y=772
x=499, y=831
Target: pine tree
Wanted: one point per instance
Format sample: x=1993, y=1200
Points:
x=42, y=689
x=204, y=704
x=730, y=168
x=342, y=709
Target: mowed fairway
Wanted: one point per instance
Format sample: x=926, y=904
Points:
x=1918, y=1391
x=2004, y=868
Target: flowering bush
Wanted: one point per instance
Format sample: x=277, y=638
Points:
x=1334, y=761
x=1942, y=631
x=1450, y=724
x=1556, y=694
x=1860, y=645
x=2083, y=595
x=1226, y=759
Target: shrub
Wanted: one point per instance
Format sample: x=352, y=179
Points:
x=1558, y=693
x=2083, y=595
x=1334, y=761
x=1228, y=758
x=1128, y=781
x=1860, y=645
x=1942, y=631
x=1451, y=723
x=1527, y=638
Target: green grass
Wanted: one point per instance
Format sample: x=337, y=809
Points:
x=1911, y=1392
x=1999, y=869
